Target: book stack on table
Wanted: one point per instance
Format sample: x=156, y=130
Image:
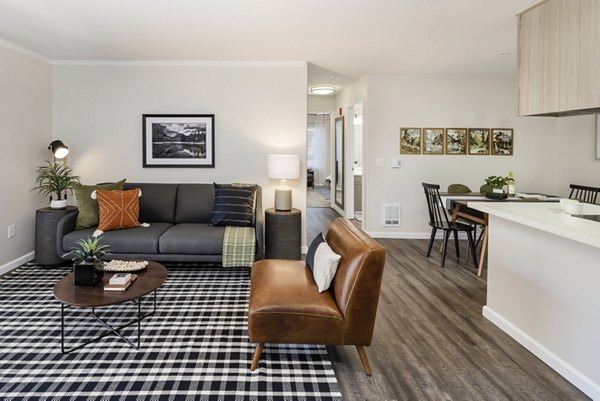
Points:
x=120, y=282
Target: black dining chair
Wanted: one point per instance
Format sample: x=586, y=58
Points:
x=584, y=193
x=438, y=220
x=463, y=189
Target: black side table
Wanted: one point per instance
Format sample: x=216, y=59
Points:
x=46, y=221
x=283, y=234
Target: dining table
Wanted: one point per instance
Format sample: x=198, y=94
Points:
x=458, y=205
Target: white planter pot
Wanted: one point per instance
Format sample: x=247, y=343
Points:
x=58, y=204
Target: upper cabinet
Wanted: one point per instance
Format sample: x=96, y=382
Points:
x=559, y=58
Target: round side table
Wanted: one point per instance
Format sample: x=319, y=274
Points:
x=46, y=221
x=283, y=232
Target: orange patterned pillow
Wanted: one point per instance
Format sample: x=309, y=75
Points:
x=118, y=209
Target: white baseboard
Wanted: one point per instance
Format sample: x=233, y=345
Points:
x=563, y=368
x=398, y=235
x=13, y=264
x=412, y=235
x=304, y=250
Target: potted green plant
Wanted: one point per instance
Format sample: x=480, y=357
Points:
x=88, y=266
x=494, y=187
x=54, y=179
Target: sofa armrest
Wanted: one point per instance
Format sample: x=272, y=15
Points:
x=65, y=226
x=258, y=225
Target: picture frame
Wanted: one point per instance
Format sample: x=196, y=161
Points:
x=410, y=141
x=455, y=142
x=433, y=141
x=178, y=140
x=479, y=141
x=502, y=141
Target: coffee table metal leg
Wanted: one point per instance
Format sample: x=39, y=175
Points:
x=113, y=330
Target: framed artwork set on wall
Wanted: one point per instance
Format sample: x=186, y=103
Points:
x=457, y=141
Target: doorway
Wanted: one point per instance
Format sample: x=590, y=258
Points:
x=318, y=160
x=357, y=161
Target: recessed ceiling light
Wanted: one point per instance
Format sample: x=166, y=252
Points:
x=322, y=90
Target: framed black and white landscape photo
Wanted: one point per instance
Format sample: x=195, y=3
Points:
x=179, y=140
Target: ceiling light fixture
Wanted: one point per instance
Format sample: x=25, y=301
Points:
x=322, y=90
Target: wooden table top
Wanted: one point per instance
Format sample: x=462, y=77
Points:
x=149, y=279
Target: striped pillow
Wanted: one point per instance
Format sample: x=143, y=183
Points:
x=234, y=205
x=118, y=209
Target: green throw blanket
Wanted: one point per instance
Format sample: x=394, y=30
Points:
x=239, y=246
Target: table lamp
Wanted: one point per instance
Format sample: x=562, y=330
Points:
x=283, y=167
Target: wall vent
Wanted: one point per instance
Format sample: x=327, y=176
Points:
x=391, y=214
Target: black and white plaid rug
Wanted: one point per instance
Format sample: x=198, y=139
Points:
x=194, y=348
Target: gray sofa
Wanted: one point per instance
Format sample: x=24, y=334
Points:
x=180, y=231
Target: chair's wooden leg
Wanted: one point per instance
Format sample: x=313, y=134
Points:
x=257, y=353
x=484, y=246
x=363, y=358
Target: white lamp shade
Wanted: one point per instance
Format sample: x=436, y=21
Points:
x=284, y=167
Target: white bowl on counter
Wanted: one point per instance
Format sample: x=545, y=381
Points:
x=571, y=206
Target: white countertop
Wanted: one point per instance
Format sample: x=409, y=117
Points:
x=548, y=217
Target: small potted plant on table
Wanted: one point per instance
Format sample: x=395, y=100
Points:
x=88, y=267
x=54, y=179
x=494, y=187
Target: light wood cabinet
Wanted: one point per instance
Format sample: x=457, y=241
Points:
x=559, y=57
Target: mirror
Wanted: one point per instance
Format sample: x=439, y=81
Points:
x=338, y=184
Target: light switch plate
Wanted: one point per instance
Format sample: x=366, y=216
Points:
x=380, y=162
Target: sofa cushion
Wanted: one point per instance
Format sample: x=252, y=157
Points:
x=157, y=204
x=131, y=240
x=193, y=239
x=88, y=207
x=118, y=209
x=234, y=205
x=194, y=203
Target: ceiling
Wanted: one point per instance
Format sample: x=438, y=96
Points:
x=342, y=39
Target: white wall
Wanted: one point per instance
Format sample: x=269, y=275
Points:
x=321, y=104
x=26, y=116
x=394, y=101
x=576, y=153
x=259, y=109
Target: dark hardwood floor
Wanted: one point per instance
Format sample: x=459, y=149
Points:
x=431, y=341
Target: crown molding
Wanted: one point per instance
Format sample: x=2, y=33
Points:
x=180, y=63
x=25, y=52
x=137, y=63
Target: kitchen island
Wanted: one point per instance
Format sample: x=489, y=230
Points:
x=544, y=285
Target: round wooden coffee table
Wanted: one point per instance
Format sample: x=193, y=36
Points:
x=69, y=295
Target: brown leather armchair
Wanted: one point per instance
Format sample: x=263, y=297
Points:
x=286, y=306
